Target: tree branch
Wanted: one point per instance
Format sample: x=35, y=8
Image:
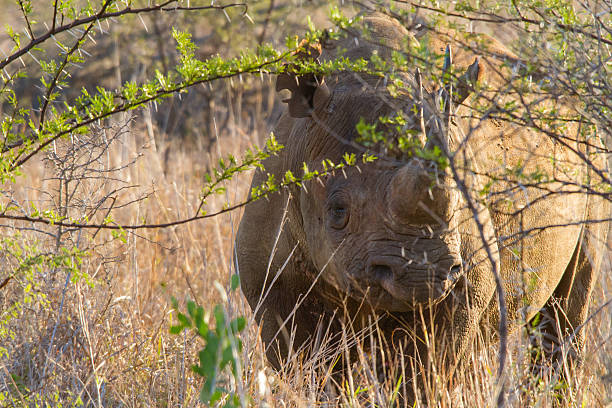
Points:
x=125, y=107
x=61, y=67
x=126, y=11
x=25, y=16
x=503, y=20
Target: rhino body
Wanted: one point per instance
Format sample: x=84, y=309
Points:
x=398, y=236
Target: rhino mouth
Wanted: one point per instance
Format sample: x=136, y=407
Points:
x=395, y=284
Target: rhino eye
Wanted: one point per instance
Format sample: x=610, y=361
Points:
x=338, y=215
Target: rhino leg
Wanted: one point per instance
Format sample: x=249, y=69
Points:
x=265, y=249
x=260, y=258
x=559, y=337
x=283, y=328
x=558, y=321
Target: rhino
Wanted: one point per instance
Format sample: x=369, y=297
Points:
x=406, y=239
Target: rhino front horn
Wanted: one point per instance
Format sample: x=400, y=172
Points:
x=407, y=187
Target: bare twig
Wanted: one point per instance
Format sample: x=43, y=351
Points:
x=5, y=282
x=54, y=22
x=262, y=35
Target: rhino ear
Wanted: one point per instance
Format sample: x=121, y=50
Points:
x=455, y=91
x=467, y=81
x=308, y=91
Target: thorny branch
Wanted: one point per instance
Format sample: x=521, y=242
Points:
x=60, y=68
x=25, y=16
x=54, y=16
x=195, y=217
x=493, y=18
x=100, y=16
x=19, y=161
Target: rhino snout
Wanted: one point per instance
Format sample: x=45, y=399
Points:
x=411, y=282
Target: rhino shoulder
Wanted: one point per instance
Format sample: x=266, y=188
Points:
x=264, y=240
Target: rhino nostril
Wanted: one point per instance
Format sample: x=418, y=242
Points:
x=381, y=272
x=455, y=271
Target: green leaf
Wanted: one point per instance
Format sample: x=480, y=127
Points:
x=184, y=320
x=202, y=328
x=238, y=324
x=235, y=282
x=219, y=318
x=191, y=308
x=226, y=357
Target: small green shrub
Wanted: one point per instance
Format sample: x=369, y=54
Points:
x=222, y=348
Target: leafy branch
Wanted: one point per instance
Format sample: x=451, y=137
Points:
x=104, y=15
x=226, y=171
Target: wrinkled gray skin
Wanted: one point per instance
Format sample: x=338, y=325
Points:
x=397, y=236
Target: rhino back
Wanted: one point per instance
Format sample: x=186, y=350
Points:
x=536, y=204
x=538, y=227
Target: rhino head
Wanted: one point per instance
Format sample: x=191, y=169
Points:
x=385, y=232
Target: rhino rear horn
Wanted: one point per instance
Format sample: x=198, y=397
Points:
x=308, y=91
x=447, y=82
x=454, y=91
